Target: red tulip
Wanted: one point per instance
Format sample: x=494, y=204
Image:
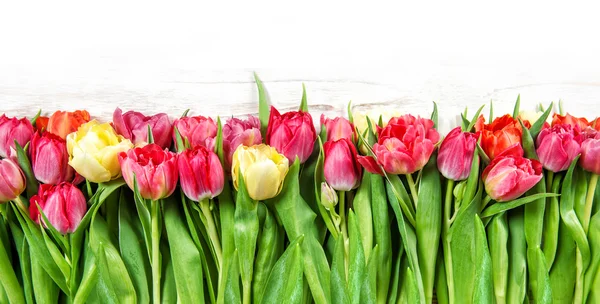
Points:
x=198, y=130
x=240, y=132
x=134, y=126
x=63, y=205
x=569, y=119
x=50, y=160
x=341, y=168
x=12, y=129
x=510, y=175
x=404, y=146
x=456, y=154
x=337, y=128
x=499, y=135
x=12, y=180
x=201, y=173
x=590, y=154
x=292, y=134
x=558, y=146
x=155, y=170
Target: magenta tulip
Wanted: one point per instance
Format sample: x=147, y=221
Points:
x=341, y=168
x=198, y=130
x=456, y=154
x=12, y=180
x=154, y=169
x=292, y=134
x=590, y=154
x=338, y=128
x=63, y=205
x=49, y=159
x=201, y=173
x=12, y=129
x=509, y=175
x=134, y=126
x=558, y=146
x=240, y=132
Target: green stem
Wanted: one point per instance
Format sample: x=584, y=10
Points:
x=549, y=179
x=579, y=280
x=154, y=216
x=589, y=199
x=413, y=189
x=485, y=202
x=211, y=228
x=20, y=204
x=446, y=241
x=342, y=202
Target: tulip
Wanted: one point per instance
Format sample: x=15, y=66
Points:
x=238, y=132
x=201, y=173
x=49, y=159
x=497, y=136
x=292, y=134
x=510, y=175
x=558, y=146
x=360, y=118
x=12, y=129
x=41, y=123
x=569, y=119
x=93, y=151
x=341, y=168
x=532, y=116
x=134, y=126
x=262, y=168
x=198, y=130
x=338, y=128
x=12, y=180
x=590, y=154
x=456, y=154
x=405, y=146
x=63, y=123
x=154, y=170
x=329, y=197
x=63, y=205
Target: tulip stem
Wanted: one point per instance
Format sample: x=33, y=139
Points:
x=342, y=200
x=446, y=240
x=589, y=200
x=413, y=189
x=486, y=201
x=154, y=216
x=211, y=228
x=20, y=204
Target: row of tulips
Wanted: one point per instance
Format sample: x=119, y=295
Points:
x=377, y=208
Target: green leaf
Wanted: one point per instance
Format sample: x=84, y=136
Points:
x=517, y=258
x=150, y=135
x=369, y=286
x=337, y=279
x=263, y=106
x=409, y=292
x=592, y=272
x=8, y=278
x=505, y=206
x=464, y=123
x=474, y=120
x=491, y=111
x=362, y=206
x=185, y=113
x=434, y=115
x=25, y=164
x=44, y=288
x=441, y=282
x=226, y=212
x=318, y=179
x=179, y=143
x=516, y=110
x=270, y=247
x=90, y=276
x=400, y=196
x=563, y=271
x=232, y=285
x=497, y=234
x=357, y=262
x=169, y=288
x=484, y=292
x=34, y=118
x=541, y=290
x=285, y=282
x=350, y=117
x=381, y=230
x=144, y=215
x=551, y=223
x=561, y=109
x=537, y=126
x=303, y=103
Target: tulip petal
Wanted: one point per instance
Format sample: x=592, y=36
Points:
x=260, y=174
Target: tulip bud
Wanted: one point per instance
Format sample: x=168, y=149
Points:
x=292, y=134
x=134, y=126
x=329, y=198
x=93, y=151
x=200, y=173
x=456, y=154
x=198, y=130
x=338, y=128
x=240, y=132
x=341, y=168
x=154, y=170
x=499, y=135
x=12, y=129
x=63, y=123
x=262, y=168
x=63, y=205
x=558, y=146
x=49, y=159
x=12, y=180
x=510, y=175
x=590, y=154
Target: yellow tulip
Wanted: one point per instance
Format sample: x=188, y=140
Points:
x=533, y=116
x=262, y=168
x=93, y=151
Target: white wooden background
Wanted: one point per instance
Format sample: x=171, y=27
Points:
x=167, y=58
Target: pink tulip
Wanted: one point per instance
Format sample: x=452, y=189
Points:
x=63, y=205
x=198, y=130
x=404, y=146
x=590, y=154
x=341, y=168
x=12, y=129
x=49, y=159
x=240, y=132
x=155, y=170
x=201, y=173
x=292, y=134
x=337, y=128
x=558, y=146
x=456, y=154
x=509, y=175
x=12, y=180
x=134, y=126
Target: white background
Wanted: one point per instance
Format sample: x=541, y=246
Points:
x=172, y=56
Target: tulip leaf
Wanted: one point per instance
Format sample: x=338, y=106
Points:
x=517, y=258
x=34, y=118
x=56, y=236
x=400, y=196
x=368, y=292
x=486, y=160
x=434, y=115
x=25, y=164
x=263, y=106
x=169, y=285
x=505, y=206
x=219, y=142
x=409, y=292
x=8, y=279
x=319, y=178
x=517, y=108
x=185, y=113
x=541, y=291
x=150, y=135
x=561, y=109
x=441, y=282
x=270, y=247
x=527, y=143
x=464, y=122
x=179, y=143
x=232, y=284
x=364, y=215
x=474, y=120
x=491, y=110
x=285, y=281
x=337, y=277
x=357, y=263
x=592, y=272
x=483, y=288
x=226, y=212
x=303, y=103
x=144, y=214
x=539, y=124
x=563, y=272
x=56, y=255
x=24, y=255
x=349, y=109
x=381, y=232
x=44, y=288
x=497, y=234
x=551, y=224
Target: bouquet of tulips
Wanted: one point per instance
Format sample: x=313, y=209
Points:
x=378, y=207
